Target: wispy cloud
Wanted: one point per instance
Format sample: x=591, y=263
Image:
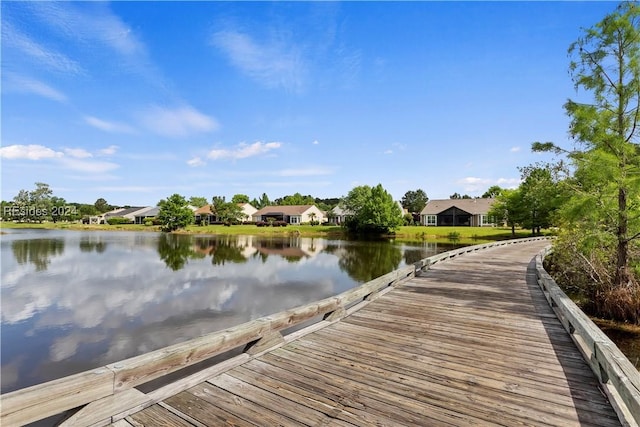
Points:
x=47, y=57
x=396, y=146
x=274, y=64
x=177, y=122
x=515, y=149
x=108, y=126
x=89, y=24
x=109, y=151
x=78, y=153
x=243, y=150
x=25, y=84
x=195, y=162
x=89, y=166
x=71, y=159
x=475, y=184
x=28, y=152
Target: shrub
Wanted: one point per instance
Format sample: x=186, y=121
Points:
x=279, y=224
x=116, y=220
x=148, y=223
x=262, y=224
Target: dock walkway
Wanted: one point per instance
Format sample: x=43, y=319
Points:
x=471, y=341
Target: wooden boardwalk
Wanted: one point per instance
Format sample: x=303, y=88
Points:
x=470, y=342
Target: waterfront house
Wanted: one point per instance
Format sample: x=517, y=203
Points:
x=457, y=212
x=295, y=214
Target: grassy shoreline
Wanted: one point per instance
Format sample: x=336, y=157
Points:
x=405, y=233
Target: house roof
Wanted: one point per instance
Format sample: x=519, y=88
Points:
x=283, y=210
x=472, y=206
x=123, y=212
x=340, y=211
x=206, y=209
x=149, y=212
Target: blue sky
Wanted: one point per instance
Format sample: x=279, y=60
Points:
x=135, y=101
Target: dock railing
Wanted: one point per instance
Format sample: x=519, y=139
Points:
x=618, y=377
x=103, y=384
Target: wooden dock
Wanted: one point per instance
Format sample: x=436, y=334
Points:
x=472, y=341
x=469, y=343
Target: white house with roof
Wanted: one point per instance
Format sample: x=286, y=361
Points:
x=207, y=215
x=295, y=214
x=457, y=212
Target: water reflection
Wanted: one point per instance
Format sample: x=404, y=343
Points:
x=175, y=250
x=71, y=301
x=366, y=262
x=37, y=251
x=93, y=243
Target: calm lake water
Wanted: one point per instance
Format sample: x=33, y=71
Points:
x=75, y=300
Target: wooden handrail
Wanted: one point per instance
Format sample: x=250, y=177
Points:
x=44, y=400
x=619, y=378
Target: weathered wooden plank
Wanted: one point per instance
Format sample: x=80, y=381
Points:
x=450, y=349
x=158, y=416
x=204, y=412
x=99, y=412
x=140, y=369
x=418, y=391
x=382, y=404
x=453, y=375
x=241, y=407
x=293, y=409
x=41, y=401
x=121, y=423
x=283, y=384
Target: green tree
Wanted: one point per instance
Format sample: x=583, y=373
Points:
x=262, y=202
x=374, y=211
x=492, y=192
x=606, y=65
x=40, y=202
x=508, y=208
x=296, y=199
x=458, y=196
x=227, y=212
x=540, y=197
x=174, y=213
x=240, y=198
x=197, y=201
x=102, y=206
x=414, y=201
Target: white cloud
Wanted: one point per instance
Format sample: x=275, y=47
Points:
x=315, y=142
x=73, y=159
x=244, y=150
x=29, y=85
x=178, y=122
x=515, y=149
x=195, y=162
x=12, y=37
x=388, y=152
x=109, y=151
x=91, y=166
x=475, y=184
x=112, y=127
x=79, y=153
x=30, y=152
x=273, y=64
x=90, y=24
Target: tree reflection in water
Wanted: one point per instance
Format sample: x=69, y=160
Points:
x=366, y=261
x=37, y=251
x=175, y=250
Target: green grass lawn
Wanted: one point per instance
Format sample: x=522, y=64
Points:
x=408, y=233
